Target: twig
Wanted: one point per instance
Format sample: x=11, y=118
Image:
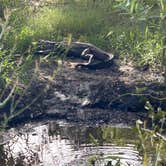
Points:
x=2, y=104
x=137, y=94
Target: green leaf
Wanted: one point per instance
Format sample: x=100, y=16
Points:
x=109, y=34
x=162, y=5
x=133, y=6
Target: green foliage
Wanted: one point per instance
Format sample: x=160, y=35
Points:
x=12, y=69
x=49, y=23
x=132, y=28
x=6, y=66
x=24, y=39
x=152, y=137
x=143, y=35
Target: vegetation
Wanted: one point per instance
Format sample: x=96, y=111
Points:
x=132, y=29
x=141, y=34
x=152, y=138
x=14, y=78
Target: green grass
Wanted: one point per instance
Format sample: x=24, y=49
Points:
x=57, y=23
x=113, y=26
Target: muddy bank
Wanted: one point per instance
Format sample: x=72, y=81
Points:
x=114, y=95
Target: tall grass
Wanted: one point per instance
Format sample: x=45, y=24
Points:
x=132, y=28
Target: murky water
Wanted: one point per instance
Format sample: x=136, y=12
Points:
x=63, y=144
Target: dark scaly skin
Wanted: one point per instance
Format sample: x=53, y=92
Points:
x=97, y=58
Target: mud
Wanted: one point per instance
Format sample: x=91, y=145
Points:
x=113, y=95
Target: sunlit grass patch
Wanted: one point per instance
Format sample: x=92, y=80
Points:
x=51, y=22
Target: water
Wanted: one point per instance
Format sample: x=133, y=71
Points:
x=63, y=144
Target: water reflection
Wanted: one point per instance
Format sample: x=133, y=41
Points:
x=60, y=144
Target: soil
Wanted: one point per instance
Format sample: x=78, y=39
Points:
x=113, y=95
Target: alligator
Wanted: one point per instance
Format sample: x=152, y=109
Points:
x=97, y=58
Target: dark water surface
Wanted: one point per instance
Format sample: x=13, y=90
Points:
x=62, y=144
